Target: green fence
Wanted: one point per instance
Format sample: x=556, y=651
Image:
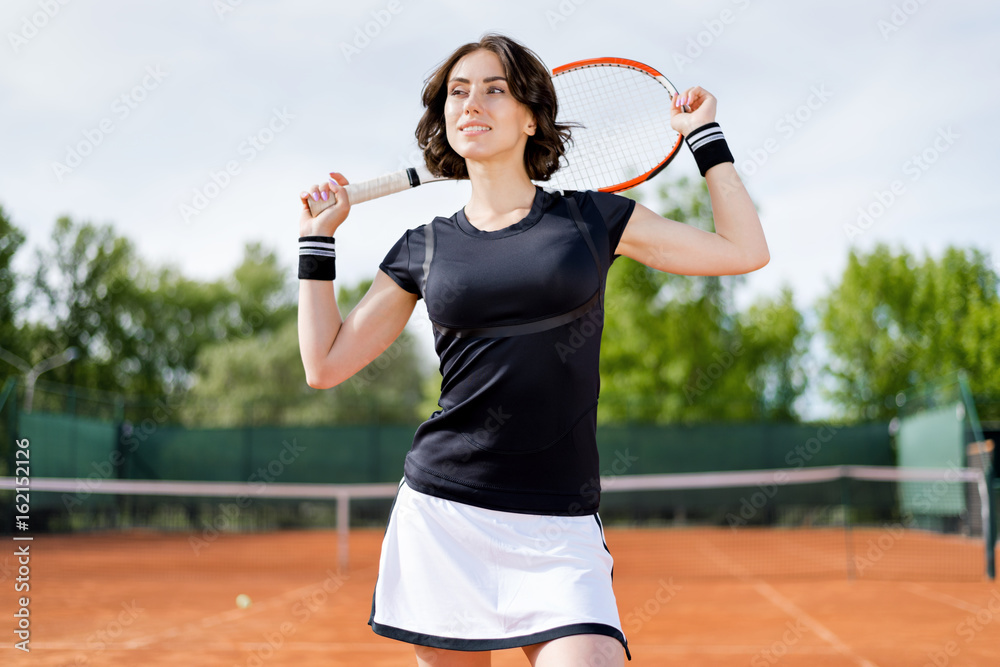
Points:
x=66, y=446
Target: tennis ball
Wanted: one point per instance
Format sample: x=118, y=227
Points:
x=243, y=601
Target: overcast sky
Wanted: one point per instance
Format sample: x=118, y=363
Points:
x=192, y=126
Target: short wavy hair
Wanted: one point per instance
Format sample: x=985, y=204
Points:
x=529, y=82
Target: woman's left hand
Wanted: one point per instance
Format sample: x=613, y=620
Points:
x=702, y=110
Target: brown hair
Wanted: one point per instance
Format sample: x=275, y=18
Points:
x=530, y=83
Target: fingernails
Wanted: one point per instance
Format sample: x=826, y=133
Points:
x=325, y=195
x=315, y=196
x=303, y=195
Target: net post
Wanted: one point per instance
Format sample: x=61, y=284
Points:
x=986, y=503
x=845, y=497
x=343, y=528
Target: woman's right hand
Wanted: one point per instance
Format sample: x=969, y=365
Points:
x=327, y=221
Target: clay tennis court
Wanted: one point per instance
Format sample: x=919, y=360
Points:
x=147, y=598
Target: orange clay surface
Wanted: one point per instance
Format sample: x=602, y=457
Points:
x=689, y=597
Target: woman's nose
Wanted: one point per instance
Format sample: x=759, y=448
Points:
x=472, y=103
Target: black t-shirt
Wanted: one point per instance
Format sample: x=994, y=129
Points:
x=518, y=316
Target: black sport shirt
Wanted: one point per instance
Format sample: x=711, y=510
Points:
x=517, y=315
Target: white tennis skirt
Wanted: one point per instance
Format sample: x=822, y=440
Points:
x=460, y=577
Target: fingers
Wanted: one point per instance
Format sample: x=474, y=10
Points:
x=692, y=98
x=327, y=196
x=331, y=190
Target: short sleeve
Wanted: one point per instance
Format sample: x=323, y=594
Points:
x=398, y=264
x=615, y=211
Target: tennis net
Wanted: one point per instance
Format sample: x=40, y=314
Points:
x=829, y=522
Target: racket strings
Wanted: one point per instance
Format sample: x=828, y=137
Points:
x=625, y=119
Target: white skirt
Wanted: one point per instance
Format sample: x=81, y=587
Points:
x=460, y=577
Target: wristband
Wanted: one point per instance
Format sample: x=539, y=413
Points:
x=317, y=258
x=709, y=147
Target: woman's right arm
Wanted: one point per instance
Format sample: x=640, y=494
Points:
x=334, y=349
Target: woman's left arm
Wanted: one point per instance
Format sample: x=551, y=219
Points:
x=737, y=245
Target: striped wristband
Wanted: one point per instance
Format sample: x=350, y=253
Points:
x=316, y=258
x=709, y=147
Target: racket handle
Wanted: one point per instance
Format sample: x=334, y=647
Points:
x=364, y=191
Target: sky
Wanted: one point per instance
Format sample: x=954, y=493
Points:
x=191, y=127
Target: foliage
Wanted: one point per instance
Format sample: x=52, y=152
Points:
x=895, y=321
x=260, y=380
x=676, y=349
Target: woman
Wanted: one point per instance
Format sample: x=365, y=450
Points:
x=494, y=539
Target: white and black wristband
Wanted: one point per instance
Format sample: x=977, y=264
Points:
x=709, y=147
x=317, y=257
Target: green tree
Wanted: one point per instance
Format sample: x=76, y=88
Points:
x=895, y=321
x=139, y=329
x=11, y=339
x=260, y=380
x=676, y=349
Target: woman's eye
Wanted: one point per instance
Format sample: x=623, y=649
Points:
x=494, y=88
x=457, y=91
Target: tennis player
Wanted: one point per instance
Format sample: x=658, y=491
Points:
x=494, y=540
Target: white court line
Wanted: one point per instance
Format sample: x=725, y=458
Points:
x=922, y=591
x=783, y=603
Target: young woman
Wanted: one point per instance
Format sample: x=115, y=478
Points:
x=494, y=539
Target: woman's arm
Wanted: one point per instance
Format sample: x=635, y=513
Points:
x=736, y=246
x=334, y=349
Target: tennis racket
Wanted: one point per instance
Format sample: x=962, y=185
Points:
x=622, y=138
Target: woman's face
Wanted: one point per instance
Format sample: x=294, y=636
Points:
x=483, y=120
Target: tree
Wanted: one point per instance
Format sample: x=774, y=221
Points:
x=893, y=322
x=676, y=349
x=82, y=284
x=260, y=380
x=11, y=240
x=140, y=328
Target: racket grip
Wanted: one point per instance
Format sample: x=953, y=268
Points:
x=364, y=191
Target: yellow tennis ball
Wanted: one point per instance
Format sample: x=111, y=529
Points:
x=243, y=601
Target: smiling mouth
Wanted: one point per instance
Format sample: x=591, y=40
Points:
x=472, y=129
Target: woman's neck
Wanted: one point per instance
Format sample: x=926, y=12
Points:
x=498, y=194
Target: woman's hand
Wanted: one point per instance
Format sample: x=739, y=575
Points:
x=702, y=110
x=326, y=223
